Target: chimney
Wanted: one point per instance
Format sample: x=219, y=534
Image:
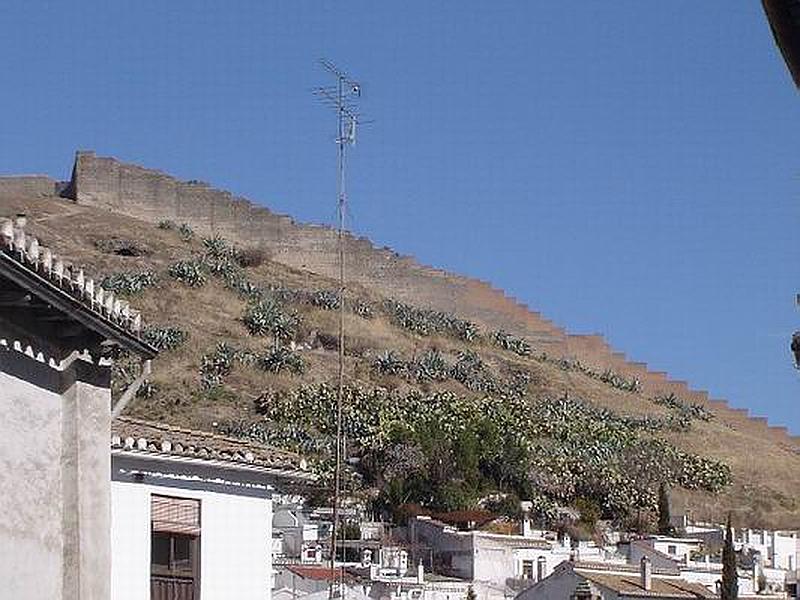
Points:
x=526, y=506
x=647, y=574
x=420, y=573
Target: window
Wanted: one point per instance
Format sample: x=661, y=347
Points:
x=174, y=549
x=173, y=554
x=672, y=549
x=527, y=569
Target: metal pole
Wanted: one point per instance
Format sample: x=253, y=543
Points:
x=340, y=142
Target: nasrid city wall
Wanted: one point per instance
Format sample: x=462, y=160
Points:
x=153, y=196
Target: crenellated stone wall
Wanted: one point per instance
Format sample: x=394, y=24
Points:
x=153, y=196
x=27, y=185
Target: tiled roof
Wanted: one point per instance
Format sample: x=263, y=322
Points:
x=39, y=269
x=620, y=567
x=320, y=573
x=156, y=439
x=661, y=587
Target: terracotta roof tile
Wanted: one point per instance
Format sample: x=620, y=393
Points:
x=661, y=587
x=134, y=435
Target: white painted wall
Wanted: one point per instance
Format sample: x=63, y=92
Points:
x=31, y=537
x=54, y=488
x=235, y=542
x=130, y=541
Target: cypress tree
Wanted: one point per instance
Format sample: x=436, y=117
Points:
x=664, y=520
x=730, y=583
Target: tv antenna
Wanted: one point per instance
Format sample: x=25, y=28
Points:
x=342, y=97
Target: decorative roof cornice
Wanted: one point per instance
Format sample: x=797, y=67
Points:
x=44, y=273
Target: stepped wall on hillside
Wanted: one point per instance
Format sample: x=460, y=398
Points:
x=154, y=196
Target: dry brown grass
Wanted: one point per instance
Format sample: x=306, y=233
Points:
x=766, y=465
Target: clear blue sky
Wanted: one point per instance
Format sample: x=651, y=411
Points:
x=627, y=168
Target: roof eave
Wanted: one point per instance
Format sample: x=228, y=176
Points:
x=278, y=472
x=77, y=310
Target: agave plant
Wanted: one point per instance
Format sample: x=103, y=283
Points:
x=129, y=283
x=431, y=366
x=186, y=232
x=325, y=299
x=388, y=363
x=267, y=317
x=217, y=246
x=472, y=373
x=684, y=409
x=507, y=341
x=281, y=358
x=189, y=272
x=216, y=366
x=165, y=338
x=363, y=309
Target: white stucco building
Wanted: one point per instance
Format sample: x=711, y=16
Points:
x=295, y=536
x=58, y=336
x=498, y=565
x=191, y=513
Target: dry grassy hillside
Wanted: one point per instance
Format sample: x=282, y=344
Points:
x=765, y=465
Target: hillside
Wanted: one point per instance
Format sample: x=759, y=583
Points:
x=449, y=380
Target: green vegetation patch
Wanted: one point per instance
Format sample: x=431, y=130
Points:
x=455, y=449
x=129, y=283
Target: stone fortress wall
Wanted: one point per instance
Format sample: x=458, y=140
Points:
x=153, y=196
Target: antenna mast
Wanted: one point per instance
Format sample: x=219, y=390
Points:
x=343, y=98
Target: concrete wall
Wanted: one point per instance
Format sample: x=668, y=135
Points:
x=54, y=466
x=235, y=540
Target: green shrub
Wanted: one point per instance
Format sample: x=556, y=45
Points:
x=167, y=224
x=555, y=451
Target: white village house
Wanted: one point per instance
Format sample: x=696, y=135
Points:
x=58, y=333
x=498, y=564
x=191, y=513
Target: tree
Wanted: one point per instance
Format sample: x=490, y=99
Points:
x=730, y=583
x=664, y=520
x=471, y=595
